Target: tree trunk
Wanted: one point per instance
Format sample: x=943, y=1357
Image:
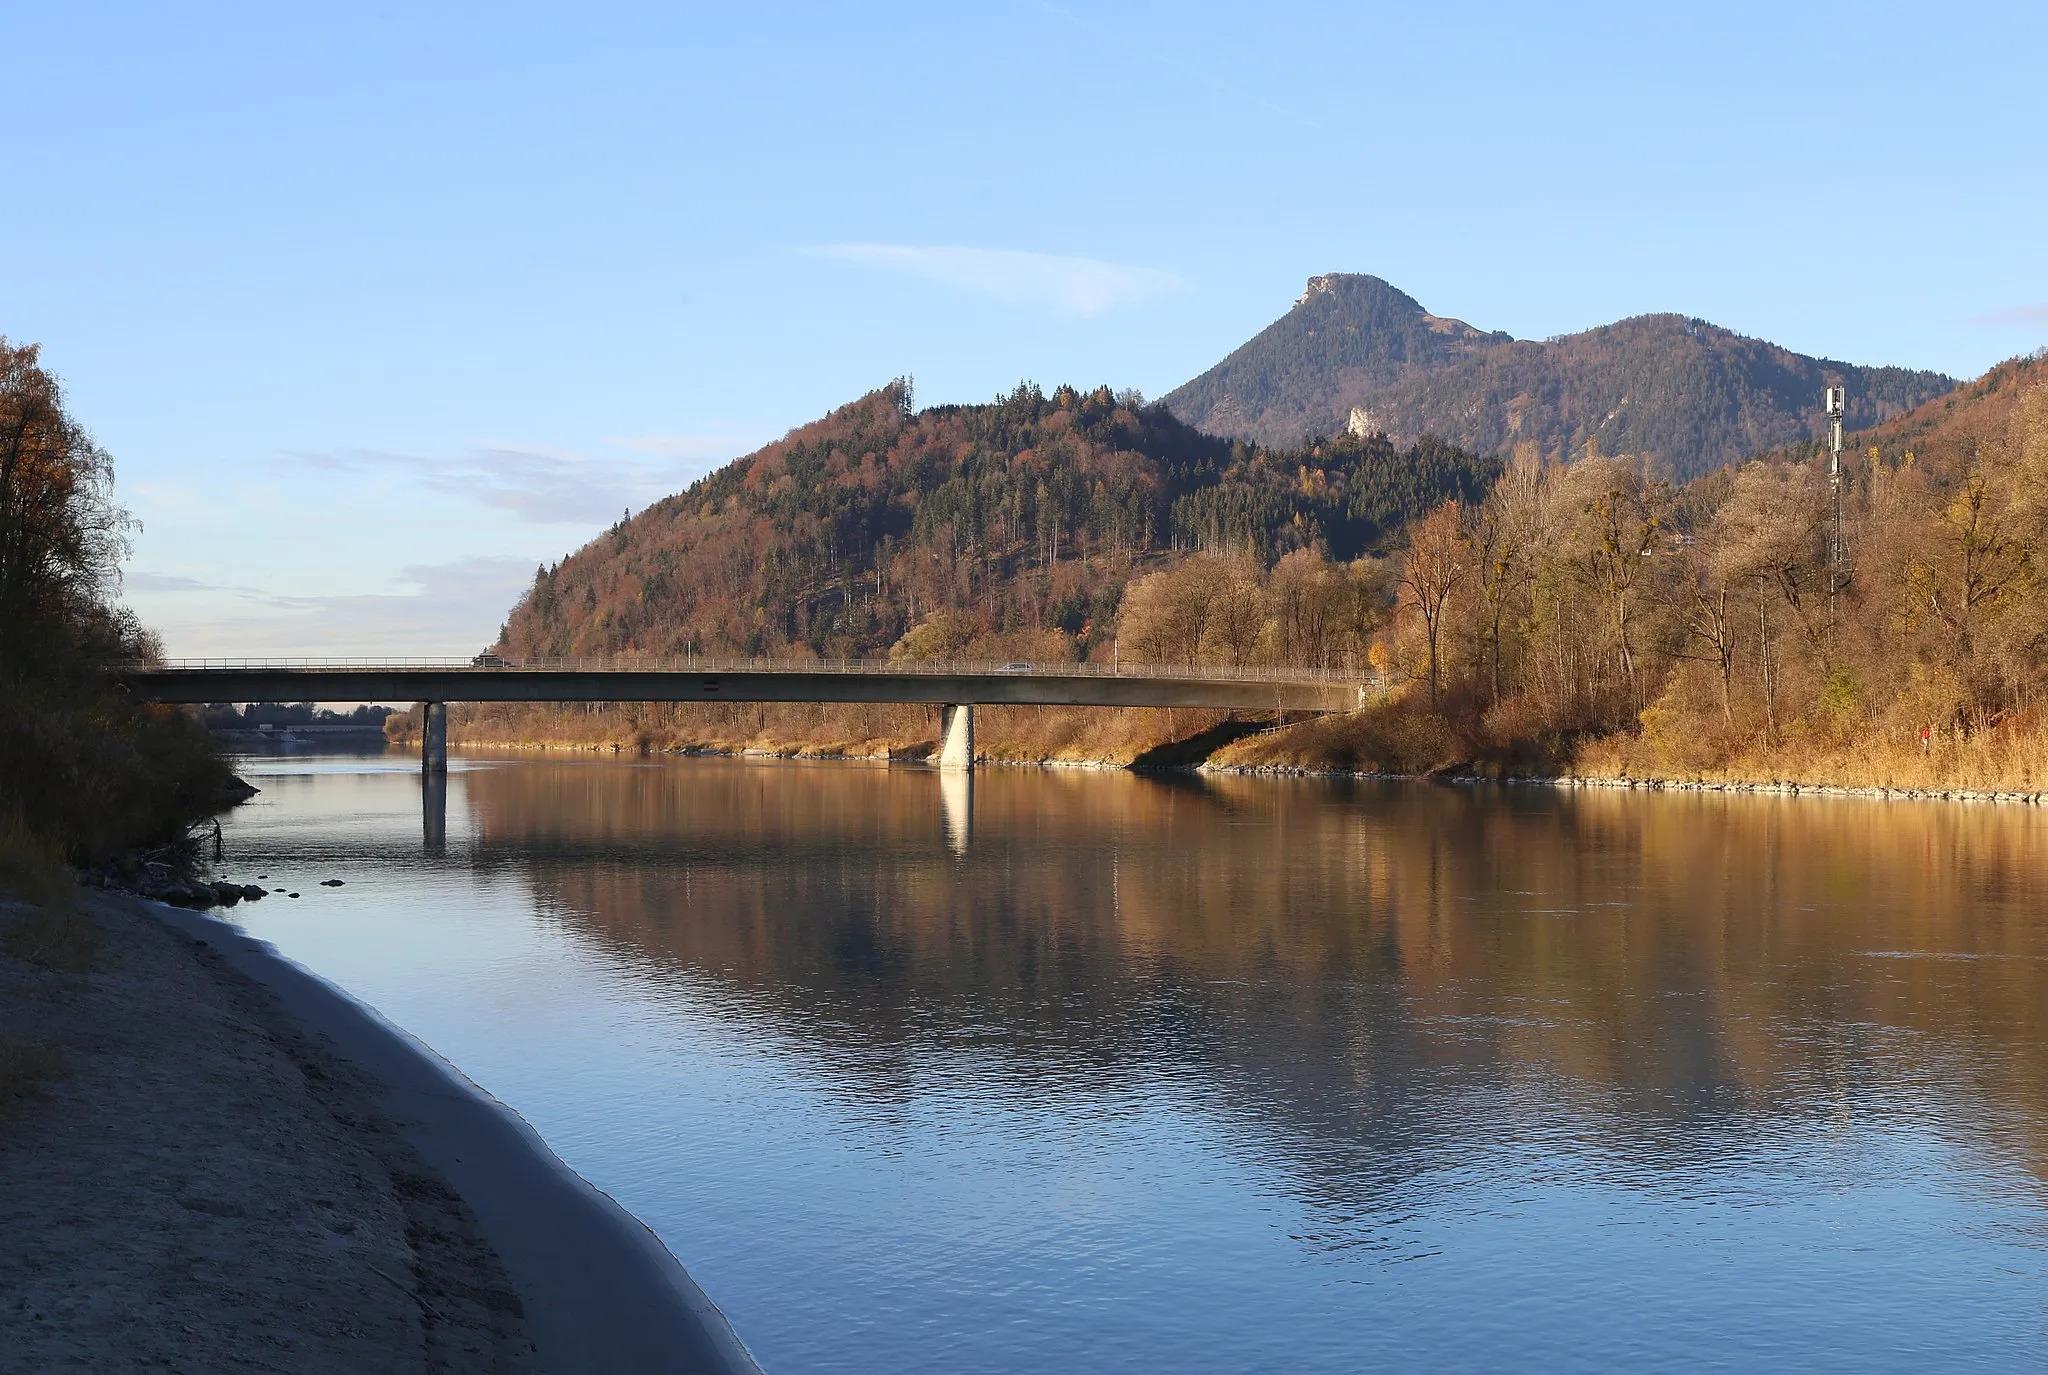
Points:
x=1770, y=677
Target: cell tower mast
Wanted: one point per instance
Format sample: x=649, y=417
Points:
x=1838, y=404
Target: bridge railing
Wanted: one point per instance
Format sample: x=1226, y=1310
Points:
x=695, y=663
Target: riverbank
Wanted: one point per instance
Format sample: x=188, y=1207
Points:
x=209, y=1159
x=1169, y=757
x=1659, y=785
x=2005, y=766
x=877, y=731
x=1396, y=740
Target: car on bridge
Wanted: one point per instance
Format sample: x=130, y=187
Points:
x=1019, y=666
x=490, y=659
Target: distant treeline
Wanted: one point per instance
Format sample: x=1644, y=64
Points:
x=230, y=716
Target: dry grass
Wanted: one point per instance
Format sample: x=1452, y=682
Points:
x=59, y=937
x=31, y=865
x=2008, y=760
x=1401, y=739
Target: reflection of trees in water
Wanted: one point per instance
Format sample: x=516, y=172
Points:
x=1373, y=968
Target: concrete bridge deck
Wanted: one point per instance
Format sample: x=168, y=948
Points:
x=945, y=684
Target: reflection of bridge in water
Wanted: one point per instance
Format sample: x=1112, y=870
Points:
x=956, y=687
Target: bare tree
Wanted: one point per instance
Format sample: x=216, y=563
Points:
x=1165, y=616
x=1438, y=558
x=1710, y=624
x=1309, y=600
x=1237, y=610
x=1773, y=528
x=1771, y=536
x=1975, y=557
x=1367, y=590
x=1623, y=522
x=1504, y=531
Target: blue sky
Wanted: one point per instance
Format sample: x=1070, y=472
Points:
x=379, y=306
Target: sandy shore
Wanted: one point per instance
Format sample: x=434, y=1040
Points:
x=228, y=1165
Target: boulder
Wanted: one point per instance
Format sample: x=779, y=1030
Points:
x=180, y=893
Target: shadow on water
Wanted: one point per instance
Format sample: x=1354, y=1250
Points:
x=434, y=812
x=1368, y=969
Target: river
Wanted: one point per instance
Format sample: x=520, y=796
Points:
x=1089, y=1072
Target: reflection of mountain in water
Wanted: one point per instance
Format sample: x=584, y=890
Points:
x=1377, y=972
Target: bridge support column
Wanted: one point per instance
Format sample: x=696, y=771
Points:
x=956, y=743
x=434, y=737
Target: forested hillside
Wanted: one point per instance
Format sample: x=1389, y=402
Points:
x=1594, y=617
x=1951, y=431
x=1544, y=616
x=1022, y=520
x=1688, y=395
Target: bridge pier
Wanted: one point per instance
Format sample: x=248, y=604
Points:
x=434, y=737
x=956, y=739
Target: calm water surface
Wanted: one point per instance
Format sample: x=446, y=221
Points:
x=1099, y=1073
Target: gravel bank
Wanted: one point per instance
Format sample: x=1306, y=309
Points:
x=202, y=1188
x=236, y=1167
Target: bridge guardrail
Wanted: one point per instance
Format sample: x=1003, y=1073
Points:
x=702, y=664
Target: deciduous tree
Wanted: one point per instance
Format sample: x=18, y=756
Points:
x=61, y=535
x=1437, y=560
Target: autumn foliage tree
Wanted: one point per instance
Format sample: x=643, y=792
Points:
x=1591, y=601
x=1438, y=559
x=61, y=535
x=84, y=771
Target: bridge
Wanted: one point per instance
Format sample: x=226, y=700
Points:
x=957, y=687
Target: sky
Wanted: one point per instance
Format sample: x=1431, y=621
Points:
x=379, y=307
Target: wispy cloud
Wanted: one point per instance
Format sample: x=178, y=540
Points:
x=1071, y=286
x=142, y=580
x=437, y=608
x=537, y=486
x=2018, y=315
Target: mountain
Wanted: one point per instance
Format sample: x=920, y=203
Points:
x=1024, y=517
x=1356, y=353
x=1347, y=338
